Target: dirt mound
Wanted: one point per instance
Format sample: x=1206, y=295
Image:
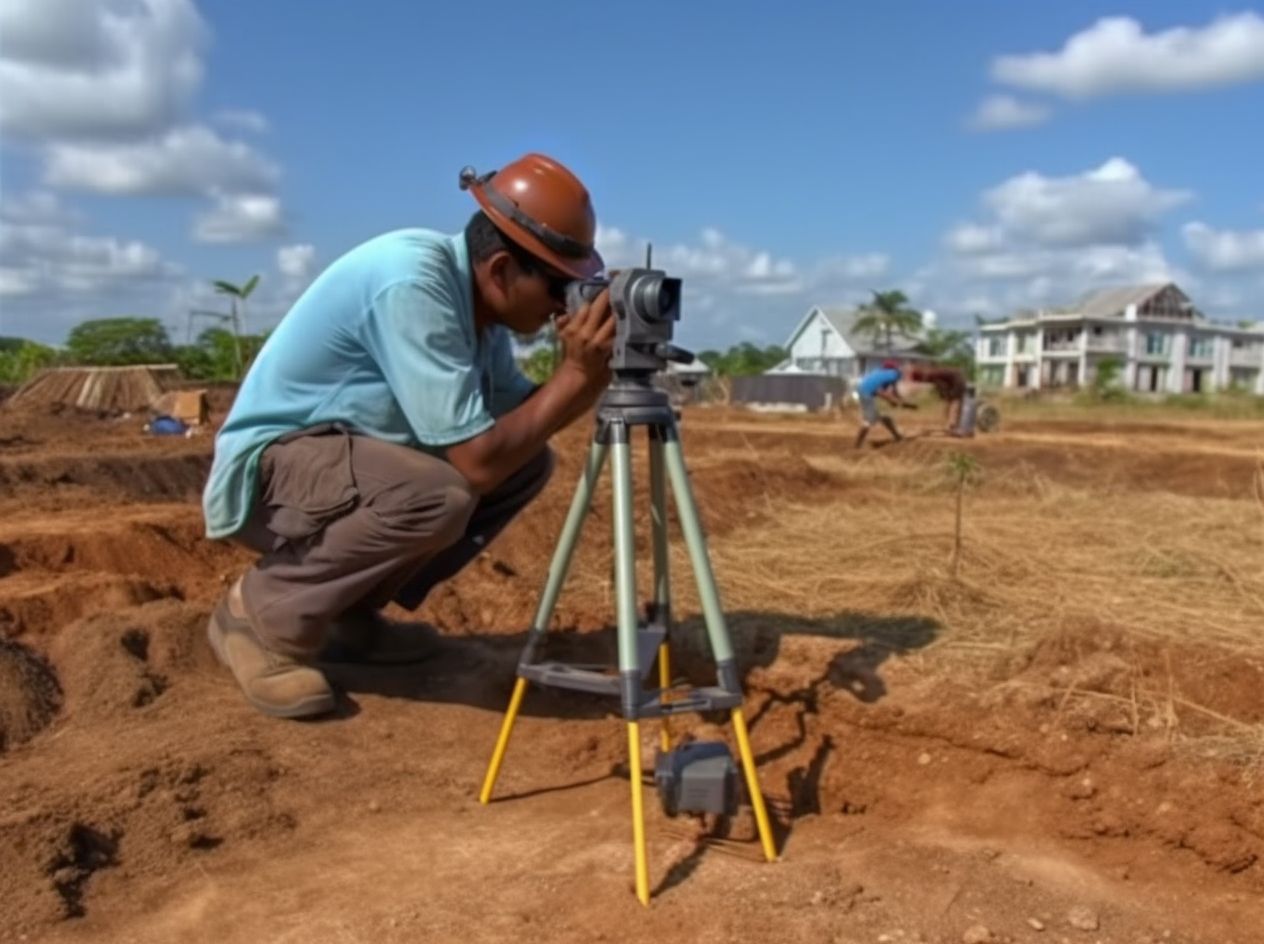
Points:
x=41, y=604
x=117, y=478
x=29, y=694
x=83, y=815
x=120, y=661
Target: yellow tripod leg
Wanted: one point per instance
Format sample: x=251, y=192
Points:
x=638, y=815
x=752, y=786
x=502, y=742
x=664, y=682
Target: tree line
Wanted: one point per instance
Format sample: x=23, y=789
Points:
x=218, y=353
x=223, y=353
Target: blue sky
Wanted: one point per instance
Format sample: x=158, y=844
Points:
x=980, y=156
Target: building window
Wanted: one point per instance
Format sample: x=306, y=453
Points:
x=996, y=346
x=1023, y=343
x=1156, y=343
x=1200, y=346
x=991, y=376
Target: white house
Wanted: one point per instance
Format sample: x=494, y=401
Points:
x=826, y=342
x=1161, y=341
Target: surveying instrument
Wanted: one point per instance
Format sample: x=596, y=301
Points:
x=697, y=777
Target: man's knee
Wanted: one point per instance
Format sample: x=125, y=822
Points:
x=433, y=508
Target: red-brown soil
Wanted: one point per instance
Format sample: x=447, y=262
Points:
x=939, y=754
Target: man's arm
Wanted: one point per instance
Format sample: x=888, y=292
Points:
x=891, y=395
x=488, y=459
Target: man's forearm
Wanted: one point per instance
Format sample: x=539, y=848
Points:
x=490, y=458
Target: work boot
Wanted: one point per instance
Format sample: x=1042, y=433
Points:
x=276, y=684
x=364, y=635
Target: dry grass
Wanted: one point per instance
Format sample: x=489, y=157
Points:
x=1040, y=561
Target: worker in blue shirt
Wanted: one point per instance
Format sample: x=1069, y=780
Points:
x=884, y=383
x=384, y=435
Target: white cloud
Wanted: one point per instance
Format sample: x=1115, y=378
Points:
x=971, y=238
x=1225, y=250
x=1109, y=204
x=997, y=112
x=1115, y=55
x=240, y=218
x=241, y=119
x=297, y=262
x=104, y=90
x=835, y=269
x=83, y=69
x=1045, y=241
x=55, y=277
x=190, y=160
x=733, y=289
x=714, y=258
x=37, y=208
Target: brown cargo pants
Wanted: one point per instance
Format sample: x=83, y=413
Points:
x=345, y=521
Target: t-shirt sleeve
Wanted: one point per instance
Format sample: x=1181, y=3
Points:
x=413, y=330
x=508, y=386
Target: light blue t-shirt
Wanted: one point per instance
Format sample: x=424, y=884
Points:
x=384, y=342
x=876, y=380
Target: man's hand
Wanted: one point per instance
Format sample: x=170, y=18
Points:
x=587, y=338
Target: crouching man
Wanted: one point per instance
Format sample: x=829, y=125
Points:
x=384, y=436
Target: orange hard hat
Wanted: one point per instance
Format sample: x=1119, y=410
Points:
x=540, y=205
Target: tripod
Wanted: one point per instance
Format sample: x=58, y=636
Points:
x=630, y=401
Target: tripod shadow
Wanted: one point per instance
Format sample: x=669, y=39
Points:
x=478, y=670
x=867, y=641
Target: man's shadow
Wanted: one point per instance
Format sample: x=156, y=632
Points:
x=479, y=669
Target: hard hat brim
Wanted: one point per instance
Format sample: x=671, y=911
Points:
x=577, y=267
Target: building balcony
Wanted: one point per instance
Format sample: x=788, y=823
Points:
x=1111, y=345
x=1245, y=357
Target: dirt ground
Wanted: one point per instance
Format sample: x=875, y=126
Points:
x=1062, y=741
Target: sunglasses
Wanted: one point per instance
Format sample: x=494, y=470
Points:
x=555, y=282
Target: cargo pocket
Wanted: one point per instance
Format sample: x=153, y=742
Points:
x=308, y=481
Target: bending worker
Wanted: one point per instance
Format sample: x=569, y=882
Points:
x=884, y=383
x=384, y=436
x=950, y=386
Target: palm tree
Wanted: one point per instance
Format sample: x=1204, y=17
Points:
x=888, y=314
x=238, y=294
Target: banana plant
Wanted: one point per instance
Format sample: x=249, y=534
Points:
x=237, y=295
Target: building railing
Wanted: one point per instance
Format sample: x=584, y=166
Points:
x=1105, y=343
x=1244, y=357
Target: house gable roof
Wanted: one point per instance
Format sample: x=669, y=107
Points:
x=843, y=320
x=1112, y=302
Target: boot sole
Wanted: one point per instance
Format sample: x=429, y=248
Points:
x=306, y=708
